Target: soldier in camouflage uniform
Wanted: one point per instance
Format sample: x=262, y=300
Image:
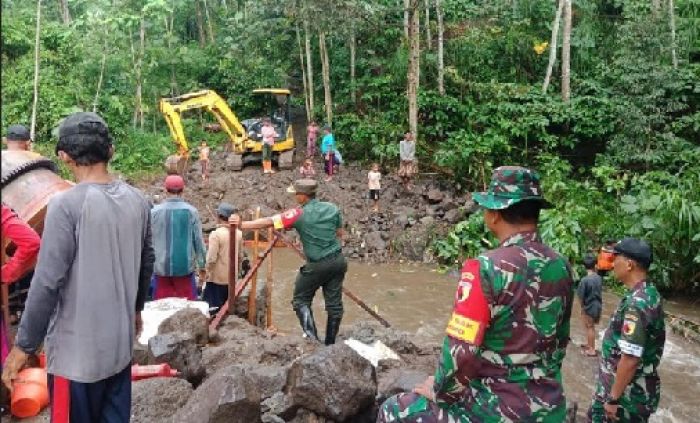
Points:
x=507, y=336
x=628, y=386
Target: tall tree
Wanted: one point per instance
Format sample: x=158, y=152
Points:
x=37, y=44
x=441, y=46
x=209, y=26
x=672, y=24
x=137, y=59
x=65, y=12
x=353, y=52
x=566, y=54
x=406, y=15
x=428, y=36
x=200, y=24
x=326, y=73
x=553, y=46
x=303, y=73
x=309, y=66
x=413, y=75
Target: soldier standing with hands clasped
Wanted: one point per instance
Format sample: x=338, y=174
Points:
x=507, y=336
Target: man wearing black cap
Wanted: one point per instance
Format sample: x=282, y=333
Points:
x=319, y=225
x=90, y=283
x=18, y=138
x=216, y=290
x=628, y=387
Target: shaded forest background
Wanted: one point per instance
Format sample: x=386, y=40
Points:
x=618, y=144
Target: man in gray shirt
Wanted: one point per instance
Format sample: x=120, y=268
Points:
x=590, y=292
x=407, y=153
x=90, y=282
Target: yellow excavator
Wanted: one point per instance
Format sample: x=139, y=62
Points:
x=245, y=137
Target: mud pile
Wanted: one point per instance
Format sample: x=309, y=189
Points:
x=406, y=224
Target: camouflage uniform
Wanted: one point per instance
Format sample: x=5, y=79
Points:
x=636, y=328
x=507, y=337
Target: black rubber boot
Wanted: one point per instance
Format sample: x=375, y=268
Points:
x=306, y=320
x=332, y=327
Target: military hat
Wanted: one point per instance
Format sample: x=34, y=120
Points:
x=17, y=133
x=225, y=210
x=510, y=185
x=636, y=249
x=303, y=186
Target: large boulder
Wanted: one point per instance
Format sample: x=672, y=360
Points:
x=398, y=380
x=375, y=242
x=242, y=301
x=227, y=396
x=334, y=382
x=187, y=321
x=158, y=399
x=181, y=352
x=435, y=196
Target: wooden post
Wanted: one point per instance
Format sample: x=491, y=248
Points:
x=268, y=282
x=252, y=297
x=232, y=267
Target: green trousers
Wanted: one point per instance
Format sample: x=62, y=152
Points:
x=326, y=274
x=266, y=152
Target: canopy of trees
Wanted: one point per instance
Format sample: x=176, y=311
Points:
x=601, y=96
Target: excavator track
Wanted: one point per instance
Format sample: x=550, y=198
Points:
x=14, y=173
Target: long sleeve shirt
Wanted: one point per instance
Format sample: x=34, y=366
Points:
x=177, y=238
x=27, y=242
x=218, y=254
x=92, y=277
x=407, y=150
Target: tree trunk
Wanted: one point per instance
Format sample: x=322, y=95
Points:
x=566, y=54
x=672, y=22
x=303, y=74
x=406, y=6
x=138, y=64
x=169, y=34
x=37, y=44
x=325, y=69
x=309, y=67
x=441, y=47
x=413, y=66
x=200, y=24
x=353, y=88
x=99, y=81
x=211, y=30
x=428, y=36
x=553, y=46
x=65, y=12
x=655, y=6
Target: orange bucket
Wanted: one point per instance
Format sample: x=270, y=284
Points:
x=30, y=393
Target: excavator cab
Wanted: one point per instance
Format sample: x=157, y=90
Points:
x=245, y=138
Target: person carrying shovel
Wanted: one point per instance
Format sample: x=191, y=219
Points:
x=319, y=225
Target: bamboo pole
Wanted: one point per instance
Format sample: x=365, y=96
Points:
x=252, y=297
x=232, y=266
x=268, y=284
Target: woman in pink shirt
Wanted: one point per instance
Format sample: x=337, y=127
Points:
x=311, y=137
x=268, y=138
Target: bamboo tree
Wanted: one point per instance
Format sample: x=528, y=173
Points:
x=406, y=6
x=309, y=66
x=672, y=23
x=428, y=36
x=553, y=46
x=441, y=47
x=566, y=54
x=413, y=75
x=200, y=24
x=211, y=30
x=65, y=12
x=37, y=44
x=99, y=81
x=325, y=70
x=303, y=73
x=353, y=85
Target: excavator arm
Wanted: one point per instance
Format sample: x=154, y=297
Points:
x=208, y=100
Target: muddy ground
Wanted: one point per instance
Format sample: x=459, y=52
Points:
x=403, y=229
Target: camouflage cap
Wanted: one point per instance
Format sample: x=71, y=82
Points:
x=510, y=185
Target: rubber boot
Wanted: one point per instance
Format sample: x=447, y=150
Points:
x=306, y=320
x=332, y=327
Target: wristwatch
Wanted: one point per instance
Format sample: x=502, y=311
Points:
x=612, y=401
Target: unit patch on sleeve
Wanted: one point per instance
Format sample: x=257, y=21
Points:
x=471, y=315
x=286, y=220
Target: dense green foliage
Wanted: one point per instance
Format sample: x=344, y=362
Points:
x=620, y=159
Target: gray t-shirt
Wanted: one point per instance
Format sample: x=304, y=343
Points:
x=590, y=292
x=94, y=267
x=407, y=150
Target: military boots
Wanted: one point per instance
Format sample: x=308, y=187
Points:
x=332, y=327
x=306, y=320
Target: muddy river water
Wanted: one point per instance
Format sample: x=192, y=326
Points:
x=417, y=299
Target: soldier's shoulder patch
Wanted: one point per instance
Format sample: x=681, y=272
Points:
x=471, y=313
x=286, y=219
x=628, y=327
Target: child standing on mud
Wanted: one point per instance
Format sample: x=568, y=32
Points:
x=204, y=159
x=311, y=137
x=373, y=183
x=268, y=139
x=328, y=151
x=307, y=170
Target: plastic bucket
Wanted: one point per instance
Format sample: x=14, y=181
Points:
x=30, y=393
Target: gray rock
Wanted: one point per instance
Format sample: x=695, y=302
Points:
x=369, y=332
x=227, y=396
x=158, y=399
x=334, y=382
x=187, y=321
x=181, y=352
x=454, y=215
x=374, y=241
x=140, y=354
x=435, y=196
x=427, y=220
x=401, y=221
x=399, y=380
x=242, y=301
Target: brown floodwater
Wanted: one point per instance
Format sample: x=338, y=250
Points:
x=417, y=299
